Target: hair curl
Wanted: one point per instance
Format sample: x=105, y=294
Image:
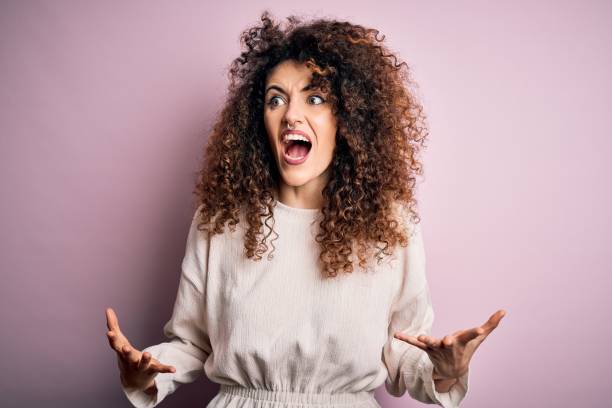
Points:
x=381, y=130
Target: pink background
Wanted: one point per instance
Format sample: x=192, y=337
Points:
x=104, y=111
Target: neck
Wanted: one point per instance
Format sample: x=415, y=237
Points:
x=309, y=195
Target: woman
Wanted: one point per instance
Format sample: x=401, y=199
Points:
x=318, y=140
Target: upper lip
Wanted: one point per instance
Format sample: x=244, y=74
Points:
x=284, y=132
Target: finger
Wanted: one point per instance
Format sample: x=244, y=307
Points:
x=117, y=340
x=145, y=361
x=168, y=369
x=131, y=355
x=112, y=322
x=411, y=340
x=162, y=368
x=493, y=321
x=448, y=341
x=113, y=340
x=432, y=342
x=467, y=335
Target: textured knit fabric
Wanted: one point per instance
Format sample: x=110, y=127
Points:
x=276, y=333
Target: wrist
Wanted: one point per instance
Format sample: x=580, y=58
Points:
x=444, y=384
x=151, y=389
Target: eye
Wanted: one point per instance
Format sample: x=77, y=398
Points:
x=272, y=99
x=317, y=97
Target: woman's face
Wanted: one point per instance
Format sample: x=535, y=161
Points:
x=301, y=164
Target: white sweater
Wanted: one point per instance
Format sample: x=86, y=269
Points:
x=275, y=333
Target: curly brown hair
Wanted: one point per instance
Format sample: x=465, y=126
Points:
x=381, y=131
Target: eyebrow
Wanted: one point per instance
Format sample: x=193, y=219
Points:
x=279, y=89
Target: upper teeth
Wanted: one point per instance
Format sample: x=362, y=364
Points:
x=287, y=137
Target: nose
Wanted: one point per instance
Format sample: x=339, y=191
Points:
x=294, y=112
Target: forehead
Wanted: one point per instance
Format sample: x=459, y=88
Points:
x=289, y=72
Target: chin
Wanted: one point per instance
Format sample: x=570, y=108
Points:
x=296, y=180
x=297, y=177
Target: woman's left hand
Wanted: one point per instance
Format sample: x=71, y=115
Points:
x=451, y=356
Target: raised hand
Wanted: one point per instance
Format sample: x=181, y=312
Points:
x=452, y=354
x=137, y=369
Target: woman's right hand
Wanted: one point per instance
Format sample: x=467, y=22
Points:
x=137, y=370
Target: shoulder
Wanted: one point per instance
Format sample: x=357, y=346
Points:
x=406, y=218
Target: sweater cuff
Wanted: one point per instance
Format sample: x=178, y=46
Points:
x=140, y=399
x=450, y=399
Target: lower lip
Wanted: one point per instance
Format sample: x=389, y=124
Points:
x=293, y=161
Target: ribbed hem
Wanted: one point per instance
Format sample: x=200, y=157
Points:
x=348, y=398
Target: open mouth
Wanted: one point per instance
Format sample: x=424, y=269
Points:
x=297, y=149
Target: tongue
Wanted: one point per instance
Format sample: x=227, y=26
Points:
x=297, y=150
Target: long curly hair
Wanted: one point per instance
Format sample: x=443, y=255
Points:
x=381, y=130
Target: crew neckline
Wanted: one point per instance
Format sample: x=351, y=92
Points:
x=295, y=212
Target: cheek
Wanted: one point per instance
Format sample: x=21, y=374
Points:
x=330, y=144
x=327, y=134
x=325, y=151
x=269, y=132
x=324, y=124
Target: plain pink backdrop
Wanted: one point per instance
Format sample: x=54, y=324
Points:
x=105, y=107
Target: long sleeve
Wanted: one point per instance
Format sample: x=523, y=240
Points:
x=410, y=368
x=189, y=345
